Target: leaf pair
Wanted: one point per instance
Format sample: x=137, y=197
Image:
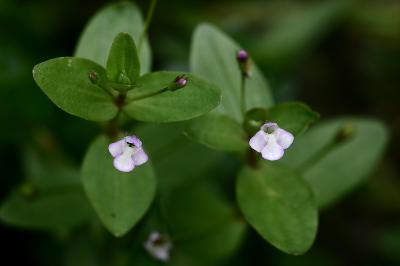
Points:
x=213, y=56
x=337, y=155
x=280, y=200
x=82, y=87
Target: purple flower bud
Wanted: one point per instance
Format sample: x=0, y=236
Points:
x=244, y=63
x=242, y=56
x=181, y=81
x=128, y=153
x=271, y=141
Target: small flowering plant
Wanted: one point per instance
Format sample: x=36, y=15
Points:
x=164, y=175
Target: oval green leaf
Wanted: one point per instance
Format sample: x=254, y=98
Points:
x=294, y=117
x=217, y=131
x=333, y=167
x=95, y=41
x=120, y=199
x=150, y=100
x=295, y=33
x=123, y=65
x=51, y=197
x=173, y=150
x=279, y=205
x=50, y=209
x=65, y=80
x=202, y=223
x=213, y=57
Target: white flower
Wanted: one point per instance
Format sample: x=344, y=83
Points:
x=271, y=141
x=158, y=246
x=127, y=153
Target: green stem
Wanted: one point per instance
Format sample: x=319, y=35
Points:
x=112, y=127
x=243, y=94
x=149, y=17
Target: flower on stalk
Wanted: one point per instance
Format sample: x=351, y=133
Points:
x=128, y=153
x=158, y=246
x=242, y=58
x=271, y=141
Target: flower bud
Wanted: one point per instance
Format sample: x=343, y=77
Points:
x=244, y=63
x=242, y=56
x=94, y=77
x=179, y=82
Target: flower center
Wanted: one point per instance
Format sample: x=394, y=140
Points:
x=129, y=150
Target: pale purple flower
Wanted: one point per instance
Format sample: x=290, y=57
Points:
x=271, y=141
x=158, y=246
x=128, y=153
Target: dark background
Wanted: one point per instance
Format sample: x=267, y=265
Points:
x=347, y=62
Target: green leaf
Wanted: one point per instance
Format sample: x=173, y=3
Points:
x=123, y=64
x=202, y=223
x=254, y=119
x=95, y=41
x=150, y=101
x=279, y=205
x=173, y=150
x=213, y=57
x=217, y=131
x=120, y=199
x=47, y=169
x=333, y=164
x=53, y=209
x=51, y=197
x=292, y=116
x=65, y=80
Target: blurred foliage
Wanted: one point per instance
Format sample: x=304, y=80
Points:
x=340, y=57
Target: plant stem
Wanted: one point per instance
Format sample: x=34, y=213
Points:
x=112, y=127
x=243, y=94
x=149, y=17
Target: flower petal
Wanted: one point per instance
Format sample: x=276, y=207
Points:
x=160, y=253
x=257, y=142
x=134, y=140
x=284, y=138
x=139, y=157
x=124, y=163
x=116, y=148
x=272, y=151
